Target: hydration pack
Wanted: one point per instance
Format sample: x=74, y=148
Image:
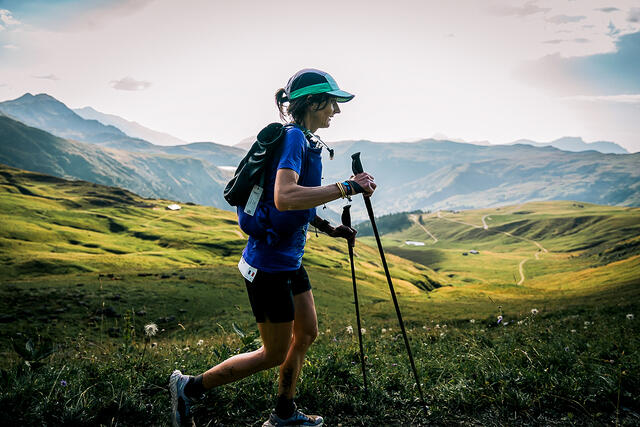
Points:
x=252, y=168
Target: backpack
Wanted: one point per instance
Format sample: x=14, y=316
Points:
x=252, y=168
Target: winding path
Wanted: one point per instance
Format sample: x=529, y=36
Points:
x=417, y=222
x=541, y=249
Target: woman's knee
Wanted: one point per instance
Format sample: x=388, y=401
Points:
x=306, y=337
x=274, y=357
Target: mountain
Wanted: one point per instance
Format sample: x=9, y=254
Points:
x=572, y=143
x=431, y=174
x=180, y=178
x=133, y=129
x=47, y=113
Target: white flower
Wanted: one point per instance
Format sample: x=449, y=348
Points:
x=328, y=331
x=629, y=316
x=154, y=344
x=573, y=331
x=151, y=329
x=472, y=320
x=587, y=323
x=384, y=330
x=349, y=329
x=186, y=349
x=363, y=331
x=499, y=318
x=520, y=322
x=200, y=342
x=534, y=311
x=438, y=326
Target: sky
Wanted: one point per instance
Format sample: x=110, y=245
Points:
x=207, y=70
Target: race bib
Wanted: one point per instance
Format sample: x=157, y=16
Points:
x=246, y=270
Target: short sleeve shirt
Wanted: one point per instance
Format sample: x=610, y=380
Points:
x=284, y=253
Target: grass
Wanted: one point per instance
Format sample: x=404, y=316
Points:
x=85, y=267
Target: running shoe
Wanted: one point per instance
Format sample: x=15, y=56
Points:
x=181, y=412
x=297, y=419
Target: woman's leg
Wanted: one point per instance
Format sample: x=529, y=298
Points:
x=276, y=339
x=305, y=331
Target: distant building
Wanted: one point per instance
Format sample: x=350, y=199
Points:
x=412, y=243
x=174, y=207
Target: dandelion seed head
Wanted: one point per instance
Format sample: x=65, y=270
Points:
x=349, y=329
x=151, y=329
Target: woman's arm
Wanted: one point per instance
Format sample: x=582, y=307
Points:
x=288, y=195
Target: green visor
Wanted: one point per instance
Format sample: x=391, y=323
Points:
x=327, y=85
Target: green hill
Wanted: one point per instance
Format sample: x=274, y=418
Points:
x=84, y=267
x=183, y=178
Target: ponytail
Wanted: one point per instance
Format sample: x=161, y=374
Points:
x=281, y=98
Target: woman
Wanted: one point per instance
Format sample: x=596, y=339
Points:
x=271, y=263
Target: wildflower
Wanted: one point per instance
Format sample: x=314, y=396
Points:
x=573, y=331
x=328, y=331
x=629, y=316
x=63, y=383
x=534, y=311
x=438, y=326
x=154, y=344
x=363, y=331
x=499, y=319
x=151, y=329
x=441, y=334
x=186, y=349
x=566, y=349
x=520, y=322
x=586, y=323
x=349, y=329
x=200, y=342
x=384, y=330
x=472, y=320
x=505, y=323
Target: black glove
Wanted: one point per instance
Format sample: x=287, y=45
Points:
x=344, y=232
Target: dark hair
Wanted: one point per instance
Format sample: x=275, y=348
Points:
x=298, y=107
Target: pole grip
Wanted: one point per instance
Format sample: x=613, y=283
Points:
x=346, y=216
x=356, y=164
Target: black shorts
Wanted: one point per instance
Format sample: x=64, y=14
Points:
x=271, y=294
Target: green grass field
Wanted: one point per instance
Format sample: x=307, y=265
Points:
x=85, y=267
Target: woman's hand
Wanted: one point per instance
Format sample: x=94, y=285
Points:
x=366, y=183
x=344, y=232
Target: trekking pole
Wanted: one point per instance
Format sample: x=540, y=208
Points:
x=356, y=166
x=346, y=220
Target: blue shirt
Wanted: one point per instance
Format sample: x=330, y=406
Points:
x=282, y=247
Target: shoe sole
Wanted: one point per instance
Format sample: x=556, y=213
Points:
x=173, y=389
x=268, y=424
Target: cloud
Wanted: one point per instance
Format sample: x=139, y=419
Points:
x=129, y=83
x=10, y=46
x=565, y=19
x=556, y=41
x=621, y=99
x=613, y=31
x=607, y=9
x=47, y=77
x=634, y=15
x=581, y=40
x=606, y=74
x=7, y=19
x=529, y=8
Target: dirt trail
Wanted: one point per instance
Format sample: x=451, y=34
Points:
x=484, y=224
x=521, y=270
x=415, y=219
x=486, y=227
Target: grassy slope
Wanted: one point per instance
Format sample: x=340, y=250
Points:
x=73, y=254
